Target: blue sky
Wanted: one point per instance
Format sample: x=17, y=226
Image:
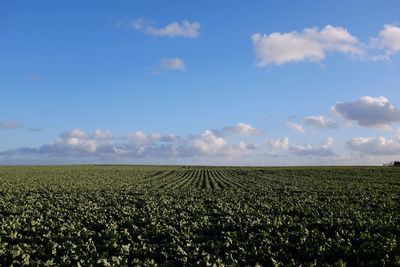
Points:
x=210, y=82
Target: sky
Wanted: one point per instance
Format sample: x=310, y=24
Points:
x=200, y=82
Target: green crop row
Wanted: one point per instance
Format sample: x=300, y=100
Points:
x=204, y=216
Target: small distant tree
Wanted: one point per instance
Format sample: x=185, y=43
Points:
x=392, y=164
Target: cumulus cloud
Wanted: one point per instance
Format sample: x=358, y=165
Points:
x=389, y=39
x=320, y=122
x=386, y=44
x=141, y=138
x=103, y=134
x=374, y=145
x=79, y=143
x=295, y=127
x=280, y=143
x=176, y=64
x=308, y=150
x=242, y=129
x=373, y=112
x=311, y=44
x=173, y=29
x=211, y=144
x=277, y=144
x=305, y=150
x=74, y=134
x=320, y=150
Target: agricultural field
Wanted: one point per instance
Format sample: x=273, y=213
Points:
x=204, y=216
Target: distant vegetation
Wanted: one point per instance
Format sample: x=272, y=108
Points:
x=168, y=216
x=393, y=164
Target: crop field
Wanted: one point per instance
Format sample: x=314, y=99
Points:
x=203, y=216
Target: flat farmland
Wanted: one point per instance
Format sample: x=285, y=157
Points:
x=197, y=215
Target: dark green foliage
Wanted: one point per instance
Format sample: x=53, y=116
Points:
x=146, y=216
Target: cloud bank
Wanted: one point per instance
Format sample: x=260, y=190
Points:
x=103, y=145
x=241, y=142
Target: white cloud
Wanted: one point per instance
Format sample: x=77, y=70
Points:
x=103, y=134
x=75, y=142
x=311, y=44
x=374, y=112
x=143, y=145
x=389, y=39
x=374, y=145
x=280, y=143
x=313, y=121
x=141, y=138
x=242, y=129
x=171, y=64
x=277, y=144
x=307, y=150
x=329, y=142
x=173, y=29
x=296, y=127
x=320, y=122
x=209, y=143
x=76, y=133
x=102, y=144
